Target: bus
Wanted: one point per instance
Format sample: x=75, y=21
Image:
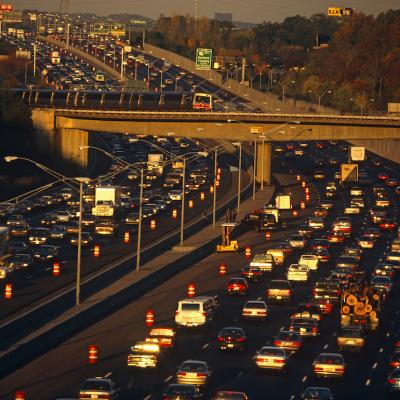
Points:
x=202, y=102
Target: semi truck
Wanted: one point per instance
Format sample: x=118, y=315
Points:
x=107, y=201
x=155, y=162
x=360, y=305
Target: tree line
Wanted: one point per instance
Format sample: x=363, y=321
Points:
x=350, y=63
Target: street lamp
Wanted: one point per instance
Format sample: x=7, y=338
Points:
x=81, y=181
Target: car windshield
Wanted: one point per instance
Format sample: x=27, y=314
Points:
x=330, y=360
x=236, y=281
x=229, y=396
x=234, y=332
x=259, y=257
x=351, y=333
x=181, y=390
x=288, y=336
x=255, y=304
x=270, y=351
x=279, y=285
x=317, y=393
x=381, y=279
x=190, y=307
x=96, y=385
x=193, y=367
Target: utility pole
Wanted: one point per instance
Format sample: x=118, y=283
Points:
x=34, y=60
x=122, y=64
x=243, y=70
x=196, y=18
x=143, y=38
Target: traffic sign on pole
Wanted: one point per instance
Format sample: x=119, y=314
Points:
x=349, y=172
x=203, y=58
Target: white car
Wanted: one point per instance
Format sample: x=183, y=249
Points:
x=255, y=309
x=297, y=241
x=316, y=223
x=175, y=195
x=263, y=261
x=298, y=272
x=356, y=191
x=311, y=260
x=352, y=209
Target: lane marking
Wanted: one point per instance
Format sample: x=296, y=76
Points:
x=334, y=333
x=304, y=378
x=236, y=320
x=388, y=334
x=282, y=328
x=147, y=397
x=292, y=397
x=108, y=374
x=368, y=382
x=206, y=345
x=168, y=379
x=259, y=298
x=381, y=350
x=239, y=374
x=375, y=365
x=326, y=346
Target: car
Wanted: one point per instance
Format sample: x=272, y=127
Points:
x=351, y=338
x=39, y=236
x=176, y=391
x=265, y=262
x=346, y=261
x=356, y=191
x=322, y=255
x=252, y=273
x=86, y=239
x=163, y=336
x=327, y=204
x=20, y=230
x=231, y=338
x=358, y=201
x=324, y=305
x=351, y=209
x=16, y=246
x=99, y=388
x=387, y=224
x=377, y=162
x=391, y=182
x=395, y=360
x=279, y=290
x=193, y=372
x=317, y=393
x=393, y=256
x=255, y=310
x=175, y=195
x=311, y=260
x=393, y=381
x=45, y=252
x=305, y=230
x=333, y=161
x=237, y=286
x=19, y=261
x=383, y=269
x=329, y=364
x=329, y=194
x=366, y=242
x=229, y=395
x=144, y=354
x=271, y=358
x=304, y=326
x=62, y=216
x=372, y=232
x=58, y=232
x=382, y=176
x=318, y=244
x=336, y=237
x=298, y=272
x=290, y=341
x=316, y=223
x=308, y=310
x=326, y=289
x=319, y=175
x=297, y=241
x=382, y=284
x=15, y=219
x=382, y=202
x=320, y=212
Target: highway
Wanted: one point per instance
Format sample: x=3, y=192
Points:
x=60, y=372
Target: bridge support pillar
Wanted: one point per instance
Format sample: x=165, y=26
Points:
x=263, y=165
x=67, y=146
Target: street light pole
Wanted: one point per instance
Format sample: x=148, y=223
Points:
x=79, y=256
x=215, y=186
x=239, y=177
x=183, y=200
x=262, y=163
x=254, y=168
x=139, y=237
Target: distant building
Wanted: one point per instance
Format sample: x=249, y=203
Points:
x=223, y=16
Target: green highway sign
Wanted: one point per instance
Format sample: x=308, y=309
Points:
x=203, y=58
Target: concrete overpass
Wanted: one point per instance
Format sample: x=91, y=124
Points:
x=69, y=128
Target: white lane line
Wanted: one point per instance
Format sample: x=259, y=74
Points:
x=326, y=346
x=375, y=365
x=292, y=397
x=239, y=374
x=130, y=384
x=304, y=378
x=259, y=298
x=397, y=312
x=29, y=277
x=388, y=334
x=236, y=320
x=168, y=379
x=368, y=382
x=147, y=397
x=282, y=328
x=108, y=374
x=334, y=334
x=381, y=350
x=206, y=345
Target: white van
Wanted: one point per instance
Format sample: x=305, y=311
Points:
x=194, y=312
x=278, y=254
x=310, y=260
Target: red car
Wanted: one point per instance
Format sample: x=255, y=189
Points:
x=325, y=306
x=237, y=286
x=387, y=224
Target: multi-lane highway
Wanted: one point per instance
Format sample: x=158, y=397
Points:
x=61, y=372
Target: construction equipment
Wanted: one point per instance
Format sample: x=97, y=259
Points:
x=360, y=305
x=227, y=244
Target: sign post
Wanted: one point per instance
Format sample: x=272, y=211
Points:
x=203, y=58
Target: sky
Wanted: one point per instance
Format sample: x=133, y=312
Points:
x=255, y=11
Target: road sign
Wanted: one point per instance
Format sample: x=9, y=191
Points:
x=334, y=11
x=347, y=11
x=6, y=7
x=257, y=130
x=101, y=28
x=117, y=29
x=349, y=172
x=357, y=153
x=203, y=58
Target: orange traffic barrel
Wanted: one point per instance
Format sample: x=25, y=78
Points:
x=268, y=235
x=298, y=177
x=307, y=197
x=93, y=354
x=190, y=203
x=307, y=189
x=174, y=213
x=19, y=395
x=202, y=196
x=222, y=269
x=303, y=184
x=191, y=290
x=126, y=237
x=153, y=224
x=150, y=318
x=96, y=250
x=56, y=268
x=219, y=171
x=295, y=213
x=8, y=291
x=211, y=189
x=217, y=183
x=302, y=205
x=247, y=252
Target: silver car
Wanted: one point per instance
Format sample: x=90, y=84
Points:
x=193, y=372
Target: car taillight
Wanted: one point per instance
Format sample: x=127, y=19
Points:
x=82, y=396
x=181, y=373
x=104, y=396
x=296, y=344
x=317, y=368
x=314, y=291
x=394, y=363
x=240, y=339
x=203, y=314
x=261, y=312
x=279, y=361
x=201, y=374
x=339, y=292
x=397, y=343
x=176, y=312
x=290, y=292
x=220, y=338
x=314, y=330
x=339, y=369
x=277, y=342
x=391, y=381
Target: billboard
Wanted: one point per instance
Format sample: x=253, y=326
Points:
x=6, y=7
x=101, y=28
x=203, y=58
x=117, y=29
x=12, y=16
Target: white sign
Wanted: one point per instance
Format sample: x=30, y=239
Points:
x=357, y=153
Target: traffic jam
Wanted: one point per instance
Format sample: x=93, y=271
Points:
x=305, y=309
